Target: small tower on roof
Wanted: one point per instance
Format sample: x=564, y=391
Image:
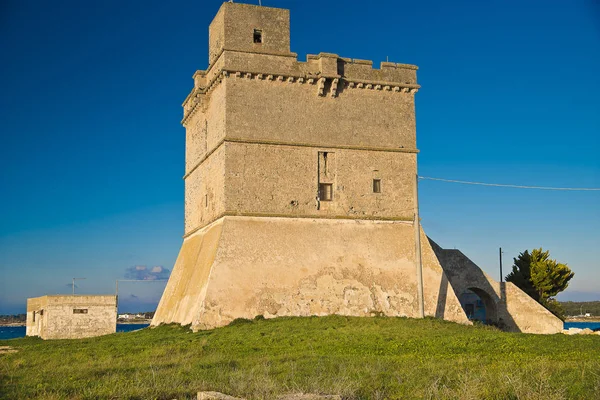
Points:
x=249, y=29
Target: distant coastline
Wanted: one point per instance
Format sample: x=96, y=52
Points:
x=582, y=319
x=135, y=322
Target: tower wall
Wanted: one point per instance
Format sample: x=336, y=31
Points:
x=294, y=113
x=241, y=267
x=233, y=26
x=272, y=127
x=283, y=214
x=283, y=180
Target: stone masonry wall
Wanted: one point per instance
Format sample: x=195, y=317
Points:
x=273, y=115
x=296, y=114
x=205, y=191
x=240, y=267
x=257, y=118
x=60, y=321
x=285, y=182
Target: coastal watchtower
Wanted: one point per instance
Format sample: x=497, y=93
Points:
x=298, y=184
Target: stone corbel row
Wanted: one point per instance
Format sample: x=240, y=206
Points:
x=200, y=97
x=320, y=82
x=197, y=100
x=385, y=87
x=269, y=77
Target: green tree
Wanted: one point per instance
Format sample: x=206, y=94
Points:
x=541, y=277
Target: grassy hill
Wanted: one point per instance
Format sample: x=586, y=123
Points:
x=359, y=358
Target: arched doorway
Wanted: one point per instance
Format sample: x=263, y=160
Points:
x=478, y=305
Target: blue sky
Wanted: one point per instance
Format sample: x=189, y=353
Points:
x=92, y=152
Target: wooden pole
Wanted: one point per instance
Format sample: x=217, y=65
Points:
x=501, y=277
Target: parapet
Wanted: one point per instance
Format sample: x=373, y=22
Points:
x=75, y=299
x=253, y=42
x=328, y=72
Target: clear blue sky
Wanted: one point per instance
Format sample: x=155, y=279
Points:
x=92, y=152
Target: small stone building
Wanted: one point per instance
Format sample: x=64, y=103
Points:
x=71, y=316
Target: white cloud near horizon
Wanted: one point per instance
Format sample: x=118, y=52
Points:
x=144, y=273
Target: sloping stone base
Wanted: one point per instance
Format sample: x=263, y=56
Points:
x=506, y=305
x=241, y=267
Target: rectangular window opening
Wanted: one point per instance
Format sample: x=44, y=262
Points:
x=80, y=311
x=325, y=191
x=258, y=36
x=376, y=185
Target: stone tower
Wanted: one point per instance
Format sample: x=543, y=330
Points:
x=298, y=184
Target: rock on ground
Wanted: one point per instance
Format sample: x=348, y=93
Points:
x=7, y=349
x=295, y=396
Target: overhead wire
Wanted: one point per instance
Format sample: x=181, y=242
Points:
x=508, y=185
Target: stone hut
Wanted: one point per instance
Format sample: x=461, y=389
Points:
x=71, y=316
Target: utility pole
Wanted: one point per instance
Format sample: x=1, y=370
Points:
x=134, y=280
x=501, y=277
x=418, y=262
x=74, y=279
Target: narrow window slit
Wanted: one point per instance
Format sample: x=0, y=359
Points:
x=258, y=36
x=376, y=185
x=325, y=191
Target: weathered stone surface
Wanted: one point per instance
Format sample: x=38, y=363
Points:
x=300, y=266
x=71, y=317
x=579, y=331
x=572, y=331
x=216, y=396
x=296, y=396
x=7, y=350
x=310, y=396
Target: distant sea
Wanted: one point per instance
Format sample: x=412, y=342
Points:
x=592, y=325
x=12, y=332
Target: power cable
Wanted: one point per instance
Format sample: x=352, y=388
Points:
x=510, y=186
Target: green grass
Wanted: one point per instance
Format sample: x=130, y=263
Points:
x=359, y=358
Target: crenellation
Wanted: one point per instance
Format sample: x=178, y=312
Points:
x=327, y=65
